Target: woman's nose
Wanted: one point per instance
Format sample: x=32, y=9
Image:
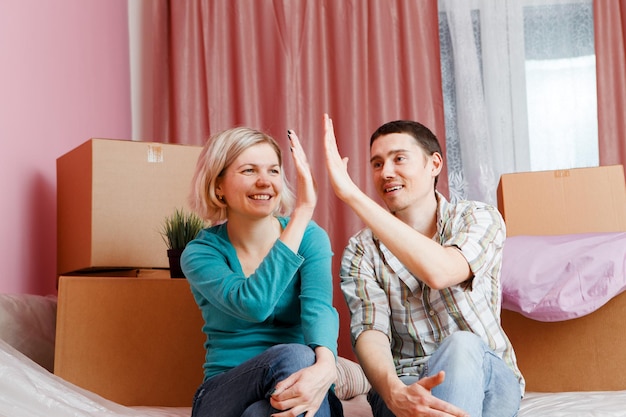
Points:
x=262, y=180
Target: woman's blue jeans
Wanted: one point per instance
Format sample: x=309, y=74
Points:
x=244, y=391
x=477, y=380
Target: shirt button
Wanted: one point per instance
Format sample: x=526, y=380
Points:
x=431, y=312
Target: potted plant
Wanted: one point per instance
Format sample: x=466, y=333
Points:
x=177, y=230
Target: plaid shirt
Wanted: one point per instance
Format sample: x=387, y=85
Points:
x=383, y=295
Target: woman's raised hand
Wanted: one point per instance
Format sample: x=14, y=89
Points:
x=306, y=189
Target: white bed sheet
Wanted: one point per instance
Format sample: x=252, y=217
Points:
x=164, y=411
x=574, y=404
x=564, y=404
x=29, y=390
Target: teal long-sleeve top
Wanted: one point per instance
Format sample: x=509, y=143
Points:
x=288, y=299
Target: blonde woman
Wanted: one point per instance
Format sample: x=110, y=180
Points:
x=261, y=275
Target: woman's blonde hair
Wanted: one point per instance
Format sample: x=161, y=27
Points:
x=217, y=154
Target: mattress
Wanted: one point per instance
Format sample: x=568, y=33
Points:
x=562, y=404
x=574, y=404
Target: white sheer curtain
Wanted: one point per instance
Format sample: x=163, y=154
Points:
x=503, y=102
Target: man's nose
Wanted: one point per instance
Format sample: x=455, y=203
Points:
x=387, y=170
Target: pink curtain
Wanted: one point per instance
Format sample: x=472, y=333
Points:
x=278, y=65
x=610, y=44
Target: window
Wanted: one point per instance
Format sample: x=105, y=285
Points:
x=519, y=89
x=561, y=86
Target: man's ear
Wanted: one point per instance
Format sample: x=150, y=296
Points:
x=437, y=162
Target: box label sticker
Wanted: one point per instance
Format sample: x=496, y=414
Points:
x=155, y=153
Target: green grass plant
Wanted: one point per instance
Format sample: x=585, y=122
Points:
x=180, y=228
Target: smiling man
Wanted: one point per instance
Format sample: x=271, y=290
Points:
x=422, y=282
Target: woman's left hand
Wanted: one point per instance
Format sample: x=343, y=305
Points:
x=306, y=191
x=304, y=391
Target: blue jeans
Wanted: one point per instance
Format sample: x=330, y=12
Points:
x=244, y=391
x=477, y=380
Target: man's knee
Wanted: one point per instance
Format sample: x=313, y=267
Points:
x=463, y=343
x=461, y=355
x=463, y=338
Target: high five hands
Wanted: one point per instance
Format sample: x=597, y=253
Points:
x=337, y=166
x=306, y=194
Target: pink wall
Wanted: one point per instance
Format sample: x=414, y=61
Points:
x=64, y=78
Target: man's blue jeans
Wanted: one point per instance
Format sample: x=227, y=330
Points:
x=477, y=380
x=244, y=391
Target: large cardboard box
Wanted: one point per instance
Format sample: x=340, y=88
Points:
x=580, y=200
x=112, y=197
x=586, y=353
x=581, y=354
x=135, y=341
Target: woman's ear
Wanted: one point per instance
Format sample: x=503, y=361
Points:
x=219, y=192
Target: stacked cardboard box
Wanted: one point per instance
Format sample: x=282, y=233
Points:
x=135, y=341
x=560, y=202
x=564, y=201
x=112, y=197
x=125, y=330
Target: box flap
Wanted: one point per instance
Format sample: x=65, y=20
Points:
x=580, y=200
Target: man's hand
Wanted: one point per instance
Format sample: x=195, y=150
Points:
x=417, y=400
x=336, y=165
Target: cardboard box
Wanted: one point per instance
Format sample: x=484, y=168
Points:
x=586, y=353
x=135, y=341
x=112, y=197
x=581, y=200
x=582, y=354
x=124, y=272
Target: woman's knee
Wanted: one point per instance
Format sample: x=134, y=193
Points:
x=292, y=357
x=259, y=408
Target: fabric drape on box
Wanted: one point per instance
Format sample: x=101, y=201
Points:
x=610, y=44
x=275, y=65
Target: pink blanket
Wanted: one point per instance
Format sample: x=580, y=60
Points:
x=555, y=278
